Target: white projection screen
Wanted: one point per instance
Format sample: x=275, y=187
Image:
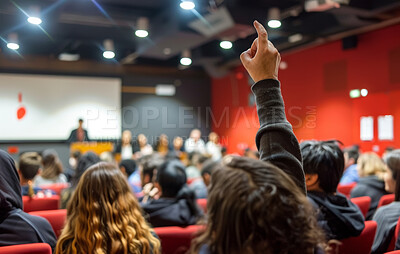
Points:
x=44, y=107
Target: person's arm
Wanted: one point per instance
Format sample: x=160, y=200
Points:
x=275, y=139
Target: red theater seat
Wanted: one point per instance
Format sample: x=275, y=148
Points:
x=40, y=204
x=361, y=244
x=385, y=200
x=393, y=252
x=57, y=187
x=202, y=202
x=363, y=203
x=176, y=240
x=56, y=218
x=345, y=189
x=31, y=248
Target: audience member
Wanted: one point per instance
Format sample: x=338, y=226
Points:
x=162, y=145
x=79, y=134
x=148, y=166
x=144, y=147
x=126, y=147
x=249, y=153
x=129, y=169
x=52, y=169
x=199, y=185
x=196, y=163
x=72, y=163
x=194, y=143
x=207, y=171
x=213, y=147
x=371, y=170
x=177, y=203
x=388, y=215
x=28, y=167
x=388, y=149
x=253, y=206
x=323, y=163
x=350, y=174
x=104, y=216
x=16, y=226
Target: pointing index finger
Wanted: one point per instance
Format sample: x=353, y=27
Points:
x=262, y=34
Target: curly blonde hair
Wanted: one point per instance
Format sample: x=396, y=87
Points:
x=104, y=217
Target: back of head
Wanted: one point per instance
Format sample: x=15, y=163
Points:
x=352, y=153
x=104, y=208
x=52, y=165
x=129, y=165
x=10, y=189
x=370, y=164
x=325, y=159
x=254, y=207
x=85, y=161
x=392, y=160
x=29, y=165
x=149, y=164
x=171, y=177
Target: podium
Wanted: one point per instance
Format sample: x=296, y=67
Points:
x=96, y=147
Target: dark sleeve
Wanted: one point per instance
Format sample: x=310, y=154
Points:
x=398, y=243
x=72, y=137
x=86, y=136
x=275, y=139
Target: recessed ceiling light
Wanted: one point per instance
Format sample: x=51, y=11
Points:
x=225, y=44
x=68, y=57
x=141, y=33
x=35, y=20
x=108, y=54
x=12, y=45
x=187, y=5
x=273, y=23
x=186, y=61
x=364, y=92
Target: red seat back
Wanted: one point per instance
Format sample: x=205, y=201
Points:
x=386, y=199
x=176, y=240
x=363, y=203
x=31, y=248
x=393, y=252
x=345, y=189
x=40, y=204
x=57, y=187
x=202, y=202
x=361, y=244
x=56, y=219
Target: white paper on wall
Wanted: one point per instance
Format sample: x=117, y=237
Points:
x=367, y=128
x=385, y=127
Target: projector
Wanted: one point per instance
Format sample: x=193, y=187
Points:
x=323, y=5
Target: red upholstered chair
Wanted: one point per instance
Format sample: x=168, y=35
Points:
x=393, y=252
x=176, y=240
x=31, y=248
x=40, y=204
x=363, y=203
x=57, y=187
x=56, y=218
x=202, y=202
x=345, y=189
x=386, y=199
x=361, y=244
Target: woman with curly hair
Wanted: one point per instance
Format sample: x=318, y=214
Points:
x=104, y=217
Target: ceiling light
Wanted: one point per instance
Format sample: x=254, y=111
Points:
x=274, y=16
x=108, y=49
x=355, y=93
x=12, y=45
x=225, y=44
x=69, y=57
x=167, y=51
x=35, y=20
x=187, y=5
x=13, y=41
x=186, y=60
x=295, y=38
x=142, y=27
x=364, y=92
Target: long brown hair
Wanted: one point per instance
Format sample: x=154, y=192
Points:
x=52, y=166
x=254, y=207
x=104, y=216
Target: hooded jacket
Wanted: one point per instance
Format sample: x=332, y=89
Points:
x=337, y=215
x=370, y=186
x=16, y=226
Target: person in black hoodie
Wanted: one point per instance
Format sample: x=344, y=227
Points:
x=177, y=204
x=323, y=164
x=16, y=226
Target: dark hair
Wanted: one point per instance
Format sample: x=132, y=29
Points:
x=129, y=165
x=172, y=177
x=29, y=164
x=254, y=207
x=85, y=161
x=352, y=152
x=149, y=164
x=209, y=166
x=325, y=159
x=392, y=160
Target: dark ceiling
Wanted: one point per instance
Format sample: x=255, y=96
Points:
x=81, y=26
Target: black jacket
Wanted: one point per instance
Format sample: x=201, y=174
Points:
x=73, y=138
x=370, y=186
x=337, y=215
x=16, y=226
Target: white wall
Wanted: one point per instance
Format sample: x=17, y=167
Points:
x=55, y=103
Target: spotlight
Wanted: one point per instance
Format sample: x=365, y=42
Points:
x=142, y=27
x=364, y=92
x=225, y=44
x=35, y=20
x=274, y=16
x=12, y=45
x=187, y=5
x=13, y=41
x=108, y=49
x=108, y=54
x=34, y=15
x=186, y=60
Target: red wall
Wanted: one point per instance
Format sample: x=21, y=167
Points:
x=314, y=112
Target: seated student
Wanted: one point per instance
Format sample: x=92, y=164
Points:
x=387, y=216
x=371, y=170
x=52, y=169
x=148, y=172
x=17, y=227
x=177, y=204
x=28, y=167
x=350, y=174
x=104, y=216
x=323, y=164
x=128, y=168
x=199, y=185
x=257, y=206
